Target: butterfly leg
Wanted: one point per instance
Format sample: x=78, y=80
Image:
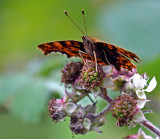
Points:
x=81, y=55
x=95, y=60
x=106, y=58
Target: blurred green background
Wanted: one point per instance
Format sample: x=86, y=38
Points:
x=28, y=79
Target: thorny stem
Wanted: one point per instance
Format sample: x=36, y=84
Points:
x=103, y=113
x=151, y=127
x=104, y=94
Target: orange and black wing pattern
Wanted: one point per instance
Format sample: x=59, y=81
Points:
x=70, y=48
x=116, y=56
x=107, y=54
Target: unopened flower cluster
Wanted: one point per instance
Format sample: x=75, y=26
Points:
x=88, y=80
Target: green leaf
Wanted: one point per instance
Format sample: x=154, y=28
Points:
x=24, y=95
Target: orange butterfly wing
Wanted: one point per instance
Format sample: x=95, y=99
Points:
x=124, y=52
x=106, y=53
x=114, y=55
x=71, y=48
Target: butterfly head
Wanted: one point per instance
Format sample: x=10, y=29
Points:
x=87, y=40
x=88, y=44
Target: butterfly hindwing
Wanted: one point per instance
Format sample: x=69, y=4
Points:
x=116, y=56
x=119, y=50
x=125, y=53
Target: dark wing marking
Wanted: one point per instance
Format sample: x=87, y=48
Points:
x=70, y=48
x=125, y=52
x=92, y=58
x=115, y=55
x=122, y=51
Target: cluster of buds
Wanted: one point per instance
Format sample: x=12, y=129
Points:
x=91, y=76
x=124, y=108
x=82, y=119
x=56, y=109
x=92, y=79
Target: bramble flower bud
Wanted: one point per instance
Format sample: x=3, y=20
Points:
x=56, y=109
x=89, y=77
x=76, y=125
x=124, y=109
x=71, y=72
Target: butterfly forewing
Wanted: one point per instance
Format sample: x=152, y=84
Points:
x=70, y=48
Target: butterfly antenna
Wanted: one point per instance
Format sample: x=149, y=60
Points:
x=73, y=21
x=84, y=21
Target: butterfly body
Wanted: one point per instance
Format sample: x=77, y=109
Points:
x=107, y=54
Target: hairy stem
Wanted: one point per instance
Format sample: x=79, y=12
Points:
x=80, y=97
x=151, y=127
x=104, y=95
x=103, y=113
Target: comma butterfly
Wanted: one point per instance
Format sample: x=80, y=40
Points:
x=91, y=49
